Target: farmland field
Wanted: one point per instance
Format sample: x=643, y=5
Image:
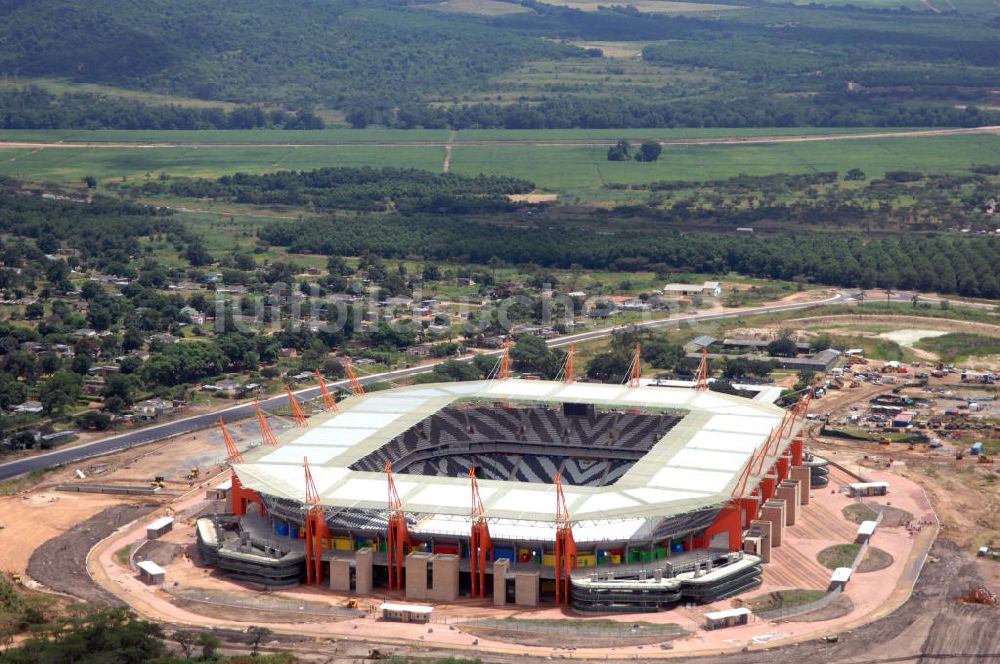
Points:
x=553, y=167
x=648, y=6
x=69, y=165
x=569, y=167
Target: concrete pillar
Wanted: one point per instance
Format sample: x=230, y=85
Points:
x=416, y=575
x=500, y=567
x=788, y=491
x=804, y=477
x=774, y=511
x=526, y=588
x=444, y=577
x=363, y=571
x=340, y=575
x=764, y=528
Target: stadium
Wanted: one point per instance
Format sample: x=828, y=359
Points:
x=604, y=497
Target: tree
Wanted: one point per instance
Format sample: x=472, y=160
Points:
x=60, y=391
x=649, y=151
x=783, y=347
x=609, y=367
x=115, y=636
x=186, y=640
x=855, y=174
x=620, y=151
x=209, y=645
x=532, y=355
x=12, y=391
x=119, y=388
x=255, y=635
x=90, y=181
x=94, y=421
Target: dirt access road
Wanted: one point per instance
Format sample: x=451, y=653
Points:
x=736, y=140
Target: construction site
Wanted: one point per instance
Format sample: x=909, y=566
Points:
x=487, y=515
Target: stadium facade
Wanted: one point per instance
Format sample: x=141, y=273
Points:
x=670, y=494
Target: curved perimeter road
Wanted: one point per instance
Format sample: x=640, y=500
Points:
x=161, y=432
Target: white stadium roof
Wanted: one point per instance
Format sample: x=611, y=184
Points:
x=696, y=465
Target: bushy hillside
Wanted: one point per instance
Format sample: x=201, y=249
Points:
x=313, y=51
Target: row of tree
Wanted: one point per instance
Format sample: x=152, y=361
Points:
x=947, y=264
x=363, y=189
x=35, y=108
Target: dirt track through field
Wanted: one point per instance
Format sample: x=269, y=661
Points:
x=737, y=140
x=61, y=562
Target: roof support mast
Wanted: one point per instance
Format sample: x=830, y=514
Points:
x=568, y=373
x=480, y=544
x=356, y=387
x=565, y=546
x=329, y=403
x=398, y=539
x=316, y=529
x=504, y=372
x=267, y=436
x=297, y=414
x=701, y=384
x=636, y=369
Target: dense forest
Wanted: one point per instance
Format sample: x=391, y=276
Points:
x=830, y=110
x=31, y=107
x=944, y=264
x=366, y=189
x=246, y=51
x=390, y=62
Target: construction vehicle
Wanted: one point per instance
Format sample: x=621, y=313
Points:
x=985, y=458
x=858, y=359
x=375, y=653
x=855, y=383
x=193, y=475
x=959, y=456
x=884, y=440
x=15, y=578
x=352, y=603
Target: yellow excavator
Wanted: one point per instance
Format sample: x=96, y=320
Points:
x=352, y=603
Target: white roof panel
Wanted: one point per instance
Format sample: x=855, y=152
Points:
x=388, y=405
x=359, y=420
x=709, y=459
x=605, y=501
x=650, y=495
x=659, y=396
x=589, y=392
x=532, y=388
x=337, y=437
x=740, y=424
x=370, y=490
x=724, y=441
x=448, y=494
x=150, y=567
x=295, y=454
x=691, y=480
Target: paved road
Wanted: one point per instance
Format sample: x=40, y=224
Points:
x=196, y=422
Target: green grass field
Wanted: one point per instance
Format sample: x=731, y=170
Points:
x=562, y=168
x=567, y=169
x=69, y=165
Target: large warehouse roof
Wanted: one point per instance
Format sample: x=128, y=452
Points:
x=695, y=465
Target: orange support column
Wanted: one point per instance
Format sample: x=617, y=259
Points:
x=767, y=488
x=796, y=448
x=749, y=509
x=783, y=465
x=728, y=521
